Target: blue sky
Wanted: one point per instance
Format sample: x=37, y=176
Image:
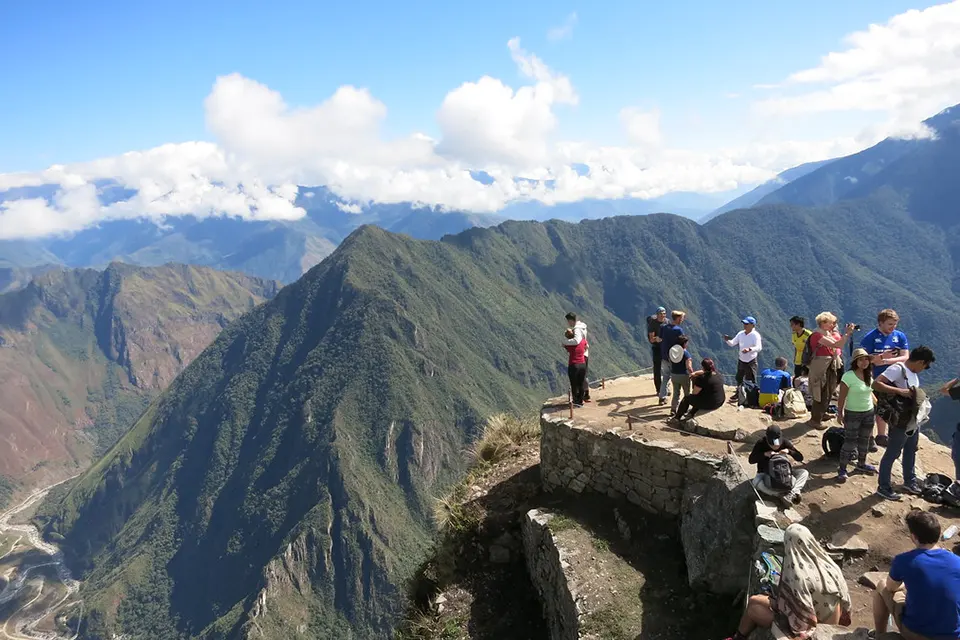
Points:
x=89, y=83
x=632, y=86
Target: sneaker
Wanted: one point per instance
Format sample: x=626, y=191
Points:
x=882, y=440
x=587, y=400
x=663, y=401
x=914, y=488
x=873, y=445
x=889, y=494
x=577, y=406
x=868, y=469
x=842, y=475
x=795, y=498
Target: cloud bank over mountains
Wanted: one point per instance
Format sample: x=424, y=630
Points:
x=263, y=148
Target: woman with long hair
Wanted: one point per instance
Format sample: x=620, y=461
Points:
x=826, y=365
x=812, y=591
x=856, y=411
x=706, y=393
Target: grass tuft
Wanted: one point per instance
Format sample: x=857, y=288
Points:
x=502, y=434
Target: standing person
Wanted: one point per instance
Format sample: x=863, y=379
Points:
x=774, y=444
x=887, y=346
x=749, y=345
x=901, y=380
x=826, y=365
x=654, y=323
x=773, y=381
x=855, y=410
x=706, y=393
x=812, y=591
x=681, y=367
x=799, y=338
x=922, y=591
x=580, y=333
x=668, y=337
x=952, y=391
x=576, y=366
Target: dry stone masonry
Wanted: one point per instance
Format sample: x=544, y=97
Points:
x=652, y=474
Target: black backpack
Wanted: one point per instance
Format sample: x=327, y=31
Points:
x=781, y=473
x=748, y=395
x=832, y=442
x=806, y=357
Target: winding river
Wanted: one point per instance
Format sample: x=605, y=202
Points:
x=21, y=626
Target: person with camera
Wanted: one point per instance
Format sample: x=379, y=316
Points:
x=887, y=346
x=900, y=396
x=826, y=364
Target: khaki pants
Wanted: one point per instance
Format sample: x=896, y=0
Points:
x=895, y=602
x=823, y=382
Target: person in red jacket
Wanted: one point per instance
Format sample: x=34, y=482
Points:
x=576, y=366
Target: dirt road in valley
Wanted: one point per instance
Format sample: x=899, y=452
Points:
x=21, y=624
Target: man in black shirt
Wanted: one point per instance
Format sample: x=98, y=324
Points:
x=654, y=323
x=773, y=443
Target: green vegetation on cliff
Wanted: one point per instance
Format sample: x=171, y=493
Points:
x=284, y=481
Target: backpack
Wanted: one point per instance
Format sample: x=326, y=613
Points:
x=774, y=410
x=748, y=395
x=794, y=406
x=807, y=356
x=768, y=569
x=832, y=442
x=780, y=472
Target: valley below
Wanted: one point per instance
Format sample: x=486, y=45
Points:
x=38, y=595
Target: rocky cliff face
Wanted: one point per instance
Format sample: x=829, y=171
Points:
x=82, y=352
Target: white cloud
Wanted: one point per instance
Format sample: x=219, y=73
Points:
x=565, y=30
x=642, y=127
x=908, y=69
x=264, y=147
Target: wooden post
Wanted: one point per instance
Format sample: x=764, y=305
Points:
x=630, y=422
x=570, y=398
x=603, y=383
x=571, y=411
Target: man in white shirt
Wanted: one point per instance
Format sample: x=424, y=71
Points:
x=749, y=345
x=901, y=379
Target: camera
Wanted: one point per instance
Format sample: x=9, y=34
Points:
x=856, y=327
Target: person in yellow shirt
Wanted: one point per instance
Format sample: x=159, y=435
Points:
x=799, y=337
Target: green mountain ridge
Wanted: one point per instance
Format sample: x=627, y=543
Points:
x=281, y=487
x=83, y=351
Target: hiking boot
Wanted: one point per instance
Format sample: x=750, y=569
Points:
x=577, y=406
x=882, y=440
x=842, y=475
x=867, y=469
x=795, y=499
x=873, y=445
x=889, y=494
x=914, y=488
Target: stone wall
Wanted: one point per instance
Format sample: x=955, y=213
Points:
x=652, y=474
x=545, y=564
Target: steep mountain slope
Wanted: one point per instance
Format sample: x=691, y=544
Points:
x=754, y=196
x=280, y=487
x=83, y=351
x=920, y=171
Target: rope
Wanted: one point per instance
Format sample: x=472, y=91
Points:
x=621, y=375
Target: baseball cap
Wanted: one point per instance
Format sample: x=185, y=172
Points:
x=661, y=310
x=774, y=436
x=749, y=320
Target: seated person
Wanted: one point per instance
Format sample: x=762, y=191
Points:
x=775, y=444
x=923, y=589
x=773, y=381
x=706, y=393
x=812, y=591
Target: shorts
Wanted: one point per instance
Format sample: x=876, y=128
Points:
x=894, y=601
x=769, y=398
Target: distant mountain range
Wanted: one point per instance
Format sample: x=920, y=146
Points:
x=754, y=196
x=82, y=352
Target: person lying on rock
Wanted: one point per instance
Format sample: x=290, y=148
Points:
x=776, y=475
x=812, y=591
x=923, y=588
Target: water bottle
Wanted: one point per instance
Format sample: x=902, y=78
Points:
x=950, y=532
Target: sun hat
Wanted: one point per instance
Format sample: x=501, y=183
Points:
x=676, y=354
x=859, y=352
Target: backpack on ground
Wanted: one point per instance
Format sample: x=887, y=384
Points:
x=941, y=489
x=780, y=472
x=832, y=442
x=794, y=405
x=748, y=395
x=774, y=410
x=768, y=569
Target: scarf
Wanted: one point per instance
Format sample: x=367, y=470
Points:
x=807, y=570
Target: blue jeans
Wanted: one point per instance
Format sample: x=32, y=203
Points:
x=955, y=453
x=665, y=381
x=899, y=443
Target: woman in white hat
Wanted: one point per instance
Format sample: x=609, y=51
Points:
x=856, y=411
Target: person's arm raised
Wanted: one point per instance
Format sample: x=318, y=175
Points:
x=830, y=343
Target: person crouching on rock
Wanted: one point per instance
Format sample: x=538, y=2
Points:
x=706, y=393
x=576, y=366
x=812, y=591
x=776, y=476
